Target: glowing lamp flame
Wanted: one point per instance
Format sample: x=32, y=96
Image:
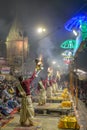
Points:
x=50, y=71
x=58, y=74
x=39, y=63
x=40, y=60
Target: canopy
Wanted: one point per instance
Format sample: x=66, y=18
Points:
x=68, y=44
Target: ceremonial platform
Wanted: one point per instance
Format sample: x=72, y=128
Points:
x=54, y=99
x=53, y=109
x=49, y=122
x=58, y=97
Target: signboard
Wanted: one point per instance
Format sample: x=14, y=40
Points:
x=5, y=70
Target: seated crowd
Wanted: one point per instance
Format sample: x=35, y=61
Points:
x=8, y=100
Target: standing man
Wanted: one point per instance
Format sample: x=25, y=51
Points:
x=42, y=92
x=49, y=83
x=49, y=89
x=27, y=110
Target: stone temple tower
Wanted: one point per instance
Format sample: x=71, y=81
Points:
x=17, y=45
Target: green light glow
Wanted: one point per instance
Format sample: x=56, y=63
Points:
x=84, y=27
x=84, y=30
x=68, y=44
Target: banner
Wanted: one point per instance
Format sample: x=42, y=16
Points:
x=5, y=70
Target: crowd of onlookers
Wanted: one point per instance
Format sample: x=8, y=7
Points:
x=9, y=101
x=82, y=91
x=8, y=98
x=81, y=85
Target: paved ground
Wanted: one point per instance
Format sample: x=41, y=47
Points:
x=82, y=115
x=46, y=123
x=51, y=122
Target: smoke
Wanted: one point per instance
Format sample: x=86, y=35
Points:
x=51, y=53
x=45, y=48
x=4, y=28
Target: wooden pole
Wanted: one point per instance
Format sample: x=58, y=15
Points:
x=71, y=80
x=76, y=84
x=23, y=57
x=76, y=94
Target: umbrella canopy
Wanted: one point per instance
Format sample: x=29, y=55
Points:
x=68, y=44
x=76, y=22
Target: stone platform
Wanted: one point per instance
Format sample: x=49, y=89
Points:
x=49, y=100
x=50, y=122
x=28, y=128
x=52, y=109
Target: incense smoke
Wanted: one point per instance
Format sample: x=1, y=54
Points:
x=46, y=48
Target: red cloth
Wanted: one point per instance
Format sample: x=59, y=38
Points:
x=47, y=81
x=50, y=82
x=54, y=80
x=44, y=83
x=26, y=84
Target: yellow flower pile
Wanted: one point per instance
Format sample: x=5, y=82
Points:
x=11, y=91
x=65, y=94
x=66, y=104
x=68, y=122
x=65, y=90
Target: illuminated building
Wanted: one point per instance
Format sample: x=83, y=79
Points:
x=17, y=45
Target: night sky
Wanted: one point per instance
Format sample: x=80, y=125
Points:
x=52, y=14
